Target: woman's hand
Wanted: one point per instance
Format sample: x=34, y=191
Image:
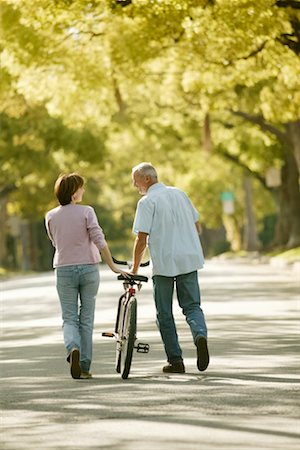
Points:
x=122, y=272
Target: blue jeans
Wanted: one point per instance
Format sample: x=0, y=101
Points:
x=188, y=294
x=73, y=283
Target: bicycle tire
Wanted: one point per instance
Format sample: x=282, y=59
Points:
x=118, y=361
x=118, y=331
x=128, y=338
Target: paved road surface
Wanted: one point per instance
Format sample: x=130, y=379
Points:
x=248, y=399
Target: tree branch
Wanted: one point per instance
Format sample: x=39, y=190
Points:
x=288, y=4
x=92, y=34
x=6, y=190
x=238, y=162
x=290, y=43
x=123, y=3
x=225, y=63
x=291, y=40
x=265, y=126
x=118, y=96
x=255, y=52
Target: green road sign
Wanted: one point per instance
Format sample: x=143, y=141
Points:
x=227, y=195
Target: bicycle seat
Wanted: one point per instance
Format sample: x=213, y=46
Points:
x=133, y=277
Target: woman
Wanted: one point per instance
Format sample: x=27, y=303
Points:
x=78, y=241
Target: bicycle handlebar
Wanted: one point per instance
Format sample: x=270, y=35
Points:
x=127, y=263
x=133, y=278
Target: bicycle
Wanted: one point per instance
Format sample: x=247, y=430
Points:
x=126, y=322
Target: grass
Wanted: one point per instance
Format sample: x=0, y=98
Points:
x=7, y=273
x=4, y=272
x=238, y=254
x=289, y=256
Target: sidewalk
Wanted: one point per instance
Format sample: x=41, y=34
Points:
x=248, y=399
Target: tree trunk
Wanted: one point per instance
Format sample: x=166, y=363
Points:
x=25, y=243
x=293, y=131
x=233, y=233
x=288, y=225
x=250, y=234
x=30, y=247
x=3, y=225
x=4, y=194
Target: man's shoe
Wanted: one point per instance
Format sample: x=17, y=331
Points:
x=86, y=375
x=202, y=353
x=177, y=367
x=75, y=363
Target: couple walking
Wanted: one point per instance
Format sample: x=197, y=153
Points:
x=167, y=222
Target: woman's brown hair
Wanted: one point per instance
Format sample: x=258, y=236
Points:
x=66, y=185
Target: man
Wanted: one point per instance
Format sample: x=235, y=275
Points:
x=167, y=221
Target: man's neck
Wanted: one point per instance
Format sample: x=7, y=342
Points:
x=151, y=183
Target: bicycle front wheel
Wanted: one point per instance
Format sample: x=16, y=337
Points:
x=128, y=338
x=119, y=332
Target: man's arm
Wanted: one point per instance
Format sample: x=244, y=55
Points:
x=139, y=247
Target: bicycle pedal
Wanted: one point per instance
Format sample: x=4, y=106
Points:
x=142, y=348
x=108, y=334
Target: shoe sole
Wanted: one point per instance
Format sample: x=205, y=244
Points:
x=75, y=364
x=86, y=377
x=202, y=354
x=173, y=371
x=168, y=369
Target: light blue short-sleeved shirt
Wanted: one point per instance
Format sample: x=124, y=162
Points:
x=168, y=216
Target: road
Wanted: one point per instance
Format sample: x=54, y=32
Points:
x=247, y=399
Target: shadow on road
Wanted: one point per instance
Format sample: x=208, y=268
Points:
x=247, y=399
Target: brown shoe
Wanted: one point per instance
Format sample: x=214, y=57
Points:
x=202, y=353
x=177, y=367
x=75, y=363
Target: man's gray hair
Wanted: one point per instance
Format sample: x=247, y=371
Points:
x=145, y=168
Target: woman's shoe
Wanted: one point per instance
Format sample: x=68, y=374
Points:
x=86, y=375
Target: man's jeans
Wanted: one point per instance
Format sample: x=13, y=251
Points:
x=74, y=283
x=188, y=294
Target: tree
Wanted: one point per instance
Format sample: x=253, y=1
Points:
x=255, y=75
x=34, y=149
x=139, y=80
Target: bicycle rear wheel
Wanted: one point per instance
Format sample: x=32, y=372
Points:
x=128, y=338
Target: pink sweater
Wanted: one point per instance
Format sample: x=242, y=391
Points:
x=76, y=235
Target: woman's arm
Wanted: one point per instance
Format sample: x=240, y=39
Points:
x=106, y=255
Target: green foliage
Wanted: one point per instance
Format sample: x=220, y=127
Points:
x=98, y=86
x=266, y=234
x=34, y=149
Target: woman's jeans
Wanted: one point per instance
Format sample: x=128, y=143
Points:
x=188, y=294
x=73, y=283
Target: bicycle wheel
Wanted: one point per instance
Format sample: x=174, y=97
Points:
x=128, y=338
x=118, y=331
x=118, y=361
